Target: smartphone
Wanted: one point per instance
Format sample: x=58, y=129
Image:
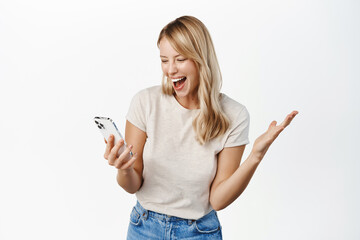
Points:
x=107, y=127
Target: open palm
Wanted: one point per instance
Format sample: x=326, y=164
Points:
x=263, y=142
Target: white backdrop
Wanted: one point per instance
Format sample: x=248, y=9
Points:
x=64, y=62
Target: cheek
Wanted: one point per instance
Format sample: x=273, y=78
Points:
x=191, y=68
x=164, y=69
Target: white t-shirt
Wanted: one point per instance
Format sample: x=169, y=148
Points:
x=178, y=171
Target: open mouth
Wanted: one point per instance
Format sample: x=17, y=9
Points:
x=179, y=83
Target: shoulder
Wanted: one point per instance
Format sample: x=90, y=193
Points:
x=232, y=108
x=239, y=119
x=141, y=106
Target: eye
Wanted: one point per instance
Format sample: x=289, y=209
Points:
x=181, y=59
x=164, y=61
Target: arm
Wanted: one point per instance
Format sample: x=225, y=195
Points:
x=131, y=179
x=231, y=179
x=129, y=175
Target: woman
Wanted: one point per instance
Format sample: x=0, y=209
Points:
x=188, y=141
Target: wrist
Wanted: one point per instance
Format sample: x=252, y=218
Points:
x=255, y=157
x=125, y=172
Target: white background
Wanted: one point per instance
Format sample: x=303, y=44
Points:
x=64, y=62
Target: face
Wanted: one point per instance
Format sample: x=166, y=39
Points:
x=180, y=70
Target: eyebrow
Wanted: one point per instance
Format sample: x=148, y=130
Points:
x=166, y=57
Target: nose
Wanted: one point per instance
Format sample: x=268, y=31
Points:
x=172, y=69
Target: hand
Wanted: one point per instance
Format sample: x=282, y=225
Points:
x=263, y=142
x=120, y=162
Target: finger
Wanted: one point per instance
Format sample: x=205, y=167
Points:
x=126, y=152
x=109, y=146
x=272, y=124
x=124, y=156
x=129, y=163
x=105, y=141
x=113, y=153
x=289, y=118
x=117, y=147
x=273, y=131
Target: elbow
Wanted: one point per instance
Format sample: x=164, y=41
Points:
x=217, y=208
x=129, y=189
x=217, y=205
x=131, y=192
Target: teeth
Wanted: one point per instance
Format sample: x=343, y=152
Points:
x=175, y=80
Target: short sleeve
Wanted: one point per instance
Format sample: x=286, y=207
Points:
x=136, y=113
x=239, y=130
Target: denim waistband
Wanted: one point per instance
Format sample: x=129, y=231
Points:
x=160, y=216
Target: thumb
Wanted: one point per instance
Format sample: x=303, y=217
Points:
x=272, y=124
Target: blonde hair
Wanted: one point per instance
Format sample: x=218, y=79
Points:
x=189, y=37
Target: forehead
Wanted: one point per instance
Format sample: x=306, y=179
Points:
x=166, y=49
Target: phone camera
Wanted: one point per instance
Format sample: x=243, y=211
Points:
x=99, y=125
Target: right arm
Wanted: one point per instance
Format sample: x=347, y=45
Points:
x=129, y=175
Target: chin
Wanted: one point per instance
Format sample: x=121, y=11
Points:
x=182, y=93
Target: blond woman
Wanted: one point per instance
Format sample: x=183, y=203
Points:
x=188, y=140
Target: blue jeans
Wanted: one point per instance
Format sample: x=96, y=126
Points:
x=149, y=225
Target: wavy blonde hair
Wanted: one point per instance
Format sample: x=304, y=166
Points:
x=189, y=37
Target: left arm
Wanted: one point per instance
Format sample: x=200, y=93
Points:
x=231, y=179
